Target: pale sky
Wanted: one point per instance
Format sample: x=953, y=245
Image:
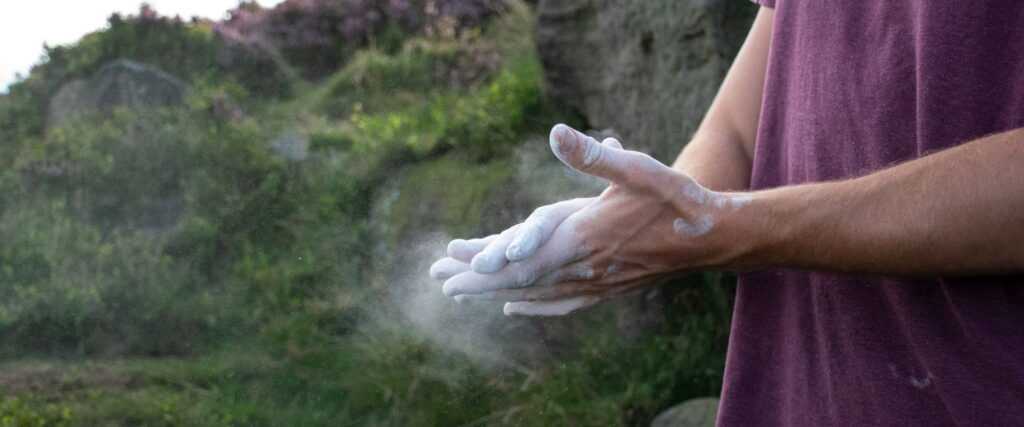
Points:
x=26, y=24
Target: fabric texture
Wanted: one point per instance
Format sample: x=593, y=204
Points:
x=853, y=87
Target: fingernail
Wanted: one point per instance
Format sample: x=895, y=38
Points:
x=435, y=270
x=454, y=244
x=563, y=139
x=449, y=290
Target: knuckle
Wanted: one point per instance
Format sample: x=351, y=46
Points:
x=646, y=173
x=612, y=142
x=593, y=154
x=542, y=211
x=523, y=278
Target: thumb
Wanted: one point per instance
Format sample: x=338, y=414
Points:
x=587, y=155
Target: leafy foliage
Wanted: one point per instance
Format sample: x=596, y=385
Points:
x=16, y=412
x=189, y=50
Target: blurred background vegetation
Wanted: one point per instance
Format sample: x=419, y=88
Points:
x=223, y=250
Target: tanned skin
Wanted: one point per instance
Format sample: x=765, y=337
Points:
x=953, y=213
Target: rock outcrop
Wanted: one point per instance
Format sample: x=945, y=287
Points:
x=646, y=68
x=120, y=83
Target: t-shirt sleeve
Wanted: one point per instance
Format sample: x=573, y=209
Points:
x=765, y=3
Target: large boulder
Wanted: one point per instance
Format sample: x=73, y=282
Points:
x=120, y=83
x=646, y=68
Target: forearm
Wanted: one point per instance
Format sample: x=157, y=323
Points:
x=720, y=154
x=956, y=212
x=716, y=160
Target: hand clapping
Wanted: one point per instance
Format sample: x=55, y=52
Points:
x=651, y=224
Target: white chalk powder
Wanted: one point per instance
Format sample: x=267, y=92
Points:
x=701, y=227
x=740, y=201
x=703, y=196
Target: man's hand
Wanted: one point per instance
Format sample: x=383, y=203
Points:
x=653, y=223
x=490, y=254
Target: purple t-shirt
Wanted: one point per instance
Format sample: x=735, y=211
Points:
x=853, y=87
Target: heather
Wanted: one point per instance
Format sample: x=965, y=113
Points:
x=317, y=36
x=218, y=262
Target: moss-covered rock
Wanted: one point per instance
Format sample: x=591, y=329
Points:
x=447, y=194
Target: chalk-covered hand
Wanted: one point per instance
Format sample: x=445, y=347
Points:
x=490, y=254
x=653, y=223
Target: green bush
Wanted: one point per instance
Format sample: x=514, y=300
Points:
x=68, y=289
x=189, y=50
x=177, y=47
x=15, y=412
x=379, y=81
x=122, y=172
x=484, y=122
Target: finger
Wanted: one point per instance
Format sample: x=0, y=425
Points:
x=537, y=293
x=559, y=307
x=465, y=250
x=574, y=301
x=578, y=273
x=570, y=280
x=567, y=304
x=447, y=267
x=492, y=258
x=612, y=142
x=585, y=154
x=562, y=248
x=539, y=226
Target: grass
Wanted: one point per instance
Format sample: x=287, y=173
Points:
x=383, y=374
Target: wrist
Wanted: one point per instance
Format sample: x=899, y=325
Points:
x=776, y=229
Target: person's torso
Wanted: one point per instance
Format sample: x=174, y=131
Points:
x=853, y=87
